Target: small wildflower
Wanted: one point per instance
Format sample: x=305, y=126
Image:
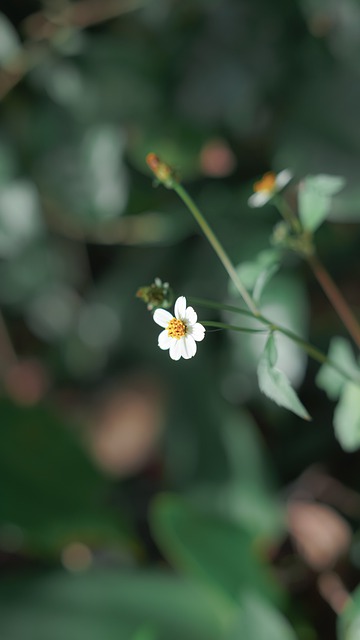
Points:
x=269, y=185
x=180, y=332
x=162, y=171
x=157, y=294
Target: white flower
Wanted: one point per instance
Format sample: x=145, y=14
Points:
x=268, y=186
x=180, y=332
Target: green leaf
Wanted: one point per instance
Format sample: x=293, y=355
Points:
x=20, y=216
x=255, y=274
x=315, y=199
x=330, y=380
x=347, y=417
x=50, y=490
x=258, y=619
x=349, y=619
x=9, y=41
x=250, y=497
x=212, y=548
x=111, y=605
x=274, y=384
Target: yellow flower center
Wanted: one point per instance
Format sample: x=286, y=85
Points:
x=267, y=183
x=176, y=329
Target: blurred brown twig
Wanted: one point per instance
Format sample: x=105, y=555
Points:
x=43, y=27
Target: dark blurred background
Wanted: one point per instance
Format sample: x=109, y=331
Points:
x=142, y=498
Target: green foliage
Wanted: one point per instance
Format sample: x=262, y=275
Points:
x=257, y=273
x=222, y=91
x=315, y=194
x=337, y=386
x=50, y=490
x=111, y=604
x=9, y=41
x=347, y=417
x=209, y=547
x=274, y=384
x=349, y=620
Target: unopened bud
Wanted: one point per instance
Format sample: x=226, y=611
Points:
x=158, y=294
x=162, y=171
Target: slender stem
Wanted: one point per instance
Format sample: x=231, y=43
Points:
x=231, y=327
x=336, y=298
x=7, y=349
x=312, y=351
x=41, y=28
x=323, y=277
x=288, y=214
x=218, y=248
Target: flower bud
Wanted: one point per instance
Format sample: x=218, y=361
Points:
x=157, y=294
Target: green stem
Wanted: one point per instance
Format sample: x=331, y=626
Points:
x=218, y=248
x=231, y=327
x=312, y=351
x=288, y=214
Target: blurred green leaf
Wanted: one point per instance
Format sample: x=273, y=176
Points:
x=20, y=216
x=259, y=620
x=50, y=489
x=255, y=274
x=213, y=548
x=347, y=417
x=112, y=605
x=315, y=199
x=349, y=620
x=274, y=384
x=9, y=41
x=330, y=380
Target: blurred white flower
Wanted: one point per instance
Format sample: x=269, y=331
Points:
x=180, y=332
x=270, y=184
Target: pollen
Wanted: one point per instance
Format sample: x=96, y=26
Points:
x=176, y=329
x=267, y=183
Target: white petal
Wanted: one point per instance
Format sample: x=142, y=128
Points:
x=259, y=198
x=190, y=315
x=162, y=317
x=175, y=350
x=198, y=332
x=188, y=347
x=180, y=308
x=164, y=340
x=283, y=178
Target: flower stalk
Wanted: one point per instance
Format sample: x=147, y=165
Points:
x=315, y=353
x=218, y=248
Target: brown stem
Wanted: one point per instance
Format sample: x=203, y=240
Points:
x=41, y=28
x=7, y=351
x=336, y=298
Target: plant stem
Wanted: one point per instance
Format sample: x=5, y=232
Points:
x=7, y=349
x=312, y=351
x=231, y=327
x=323, y=277
x=288, y=214
x=336, y=298
x=216, y=245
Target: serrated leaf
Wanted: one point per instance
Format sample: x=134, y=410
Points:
x=347, y=417
x=9, y=41
x=274, y=383
x=315, y=199
x=328, y=378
